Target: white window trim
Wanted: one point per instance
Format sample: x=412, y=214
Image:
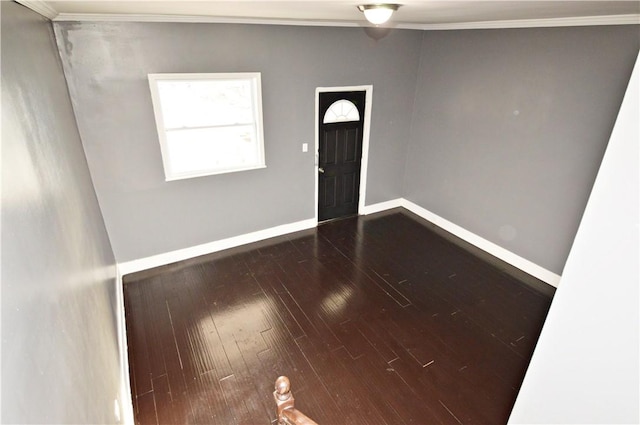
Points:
x=157, y=109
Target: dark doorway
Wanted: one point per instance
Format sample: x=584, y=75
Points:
x=341, y=118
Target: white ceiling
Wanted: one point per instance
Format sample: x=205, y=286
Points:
x=412, y=13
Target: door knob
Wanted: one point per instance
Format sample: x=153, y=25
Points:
x=321, y=170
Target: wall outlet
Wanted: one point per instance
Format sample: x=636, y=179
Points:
x=305, y=147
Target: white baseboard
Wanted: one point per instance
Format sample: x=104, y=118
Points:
x=215, y=246
x=485, y=245
x=125, y=399
x=478, y=241
x=382, y=206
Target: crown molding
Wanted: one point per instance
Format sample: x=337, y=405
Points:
x=197, y=19
x=44, y=9
x=41, y=7
x=580, y=21
x=520, y=23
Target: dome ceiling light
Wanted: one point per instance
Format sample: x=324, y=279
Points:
x=378, y=13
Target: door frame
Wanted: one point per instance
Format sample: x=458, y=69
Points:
x=368, y=89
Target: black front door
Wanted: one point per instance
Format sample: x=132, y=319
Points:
x=340, y=153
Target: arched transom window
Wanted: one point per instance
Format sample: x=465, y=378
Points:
x=341, y=111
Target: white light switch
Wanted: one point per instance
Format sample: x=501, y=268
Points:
x=305, y=147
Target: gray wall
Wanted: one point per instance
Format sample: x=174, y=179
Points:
x=585, y=367
x=505, y=137
x=107, y=65
x=509, y=129
x=59, y=346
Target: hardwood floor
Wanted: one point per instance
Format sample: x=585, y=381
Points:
x=376, y=320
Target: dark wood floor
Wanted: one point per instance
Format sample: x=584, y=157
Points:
x=376, y=320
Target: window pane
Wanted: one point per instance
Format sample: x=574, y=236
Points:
x=213, y=149
x=208, y=123
x=341, y=111
x=202, y=103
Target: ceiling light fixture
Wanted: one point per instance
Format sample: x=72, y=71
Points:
x=378, y=13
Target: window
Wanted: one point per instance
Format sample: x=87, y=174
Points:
x=341, y=111
x=208, y=123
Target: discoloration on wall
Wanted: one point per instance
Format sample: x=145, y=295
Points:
x=504, y=137
x=107, y=72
